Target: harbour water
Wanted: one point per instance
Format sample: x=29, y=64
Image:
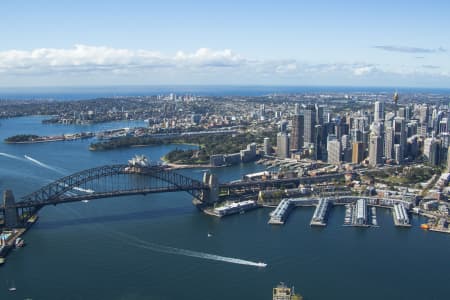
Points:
x=160, y=247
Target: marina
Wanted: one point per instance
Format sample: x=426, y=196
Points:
x=374, y=216
x=358, y=214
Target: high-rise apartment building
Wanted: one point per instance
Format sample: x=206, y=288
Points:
x=297, y=133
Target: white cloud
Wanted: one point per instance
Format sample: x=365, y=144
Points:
x=106, y=64
x=78, y=58
x=291, y=67
x=406, y=49
x=363, y=70
x=208, y=57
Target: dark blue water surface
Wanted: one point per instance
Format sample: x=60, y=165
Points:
x=115, y=248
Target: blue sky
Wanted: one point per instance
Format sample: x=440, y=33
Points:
x=72, y=43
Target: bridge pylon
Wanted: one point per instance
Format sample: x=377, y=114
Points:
x=211, y=195
x=11, y=214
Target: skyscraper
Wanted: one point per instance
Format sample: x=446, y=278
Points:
x=267, y=146
x=296, y=109
x=282, y=145
x=389, y=142
x=262, y=111
x=357, y=152
x=375, y=150
x=399, y=131
x=431, y=150
x=297, y=133
x=448, y=160
x=346, y=148
x=334, y=150
x=320, y=142
x=398, y=154
x=283, y=125
x=309, y=119
x=319, y=115
x=379, y=111
x=423, y=114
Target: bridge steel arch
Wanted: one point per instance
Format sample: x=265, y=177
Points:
x=56, y=192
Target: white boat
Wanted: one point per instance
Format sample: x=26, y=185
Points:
x=12, y=288
x=19, y=242
x=261, y=265
x=85, y=201
x=209, y=234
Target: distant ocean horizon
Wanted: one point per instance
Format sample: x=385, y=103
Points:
x=92, y=92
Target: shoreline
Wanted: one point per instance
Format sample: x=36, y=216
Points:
x=184, y=166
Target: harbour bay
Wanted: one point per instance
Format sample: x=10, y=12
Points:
x=72, y=241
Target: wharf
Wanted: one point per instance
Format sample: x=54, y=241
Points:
x=398, y=224
x=320, y=213
x=279, y=215
x=400, y=216
x=442, y=230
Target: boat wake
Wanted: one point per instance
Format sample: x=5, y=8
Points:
x=39, y=163
x=11, y=156
x=177, y=251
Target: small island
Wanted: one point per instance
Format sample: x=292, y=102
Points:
x=21, y=138
x=33, y=138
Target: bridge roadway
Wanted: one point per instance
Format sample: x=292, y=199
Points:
x=97, y=195
x=281, y=182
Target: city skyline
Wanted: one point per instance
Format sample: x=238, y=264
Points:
x=261, y=43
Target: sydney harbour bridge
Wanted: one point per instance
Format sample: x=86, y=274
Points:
x=127, y=179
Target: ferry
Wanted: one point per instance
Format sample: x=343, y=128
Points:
x=236, y=207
